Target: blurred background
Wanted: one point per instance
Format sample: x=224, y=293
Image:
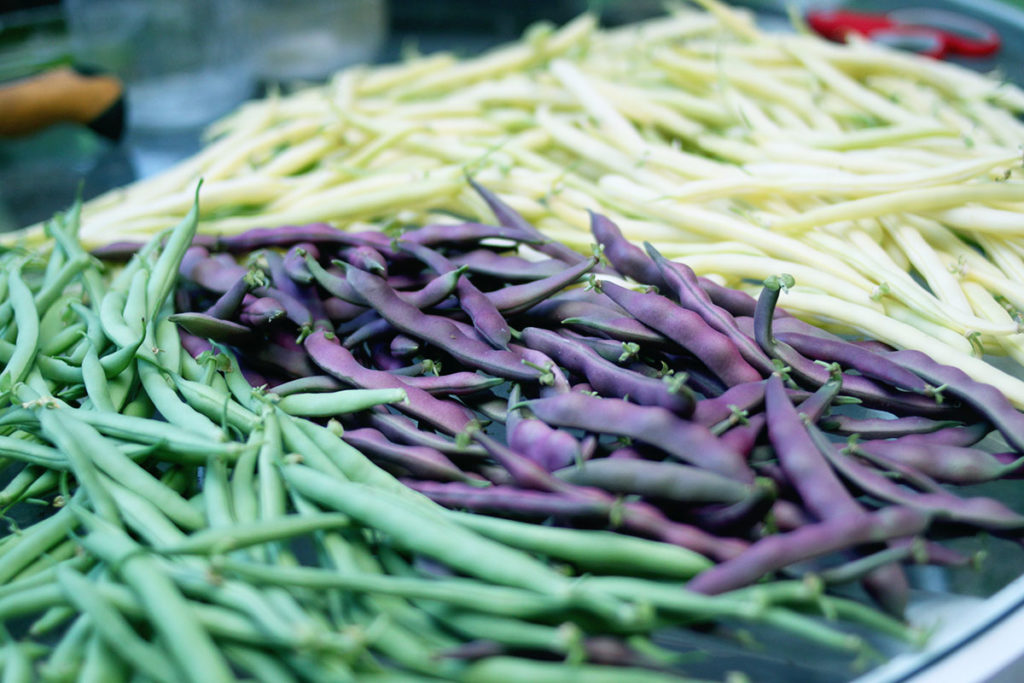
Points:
x=182, y=64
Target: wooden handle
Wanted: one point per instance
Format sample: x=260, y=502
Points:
x=59, y=96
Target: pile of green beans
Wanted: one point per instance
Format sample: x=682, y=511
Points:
x=165, y=522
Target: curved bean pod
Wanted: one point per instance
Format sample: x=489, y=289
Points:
x=683, y=440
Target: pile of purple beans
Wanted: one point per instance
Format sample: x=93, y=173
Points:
x=546, y=389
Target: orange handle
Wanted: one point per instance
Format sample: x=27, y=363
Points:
x=59, y=96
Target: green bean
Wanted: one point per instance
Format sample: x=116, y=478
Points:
x=356, y=466
x=113, y=628
x=17, y=663
x=296, y=440
x=242, y=535
x=65, y=236
x=93, y=326
x=51, y=619
x=216, y=405
x=51, y=558
x=263, y=667
x=119, y=360
x=26, y=317
x=16, y=487
x=32, y=452
x=135, y=313
x=101, y=665
x=52, y=320
x=165, y=271
x=54, y=287
x=335, y=403
x=219, y=621
x=31, y=601
x=235, y=380
x=511, y=602
x=445, y=541
x=536, y=671
x=243, y=480
x=112, y=319
x=66, y=657
x=170, y=614
x=95, y=380
x=43, y=485
x=601, y=551
x=172, y=408
x=165, y=335
x=58, y=430
x=48, y=575
x=271, y=490
x=60, y=342
x=145, y=518
x=511, y=632
x=674, y=600
x=167, y=436
x=217, y=495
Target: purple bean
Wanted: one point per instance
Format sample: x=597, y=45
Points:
x=683, y=440
x=339, y=310
x=735, y=301
x=420, y=461
x=438, y=331
x=193, y=257
x=509, y=218
x=820, y=490
x=854, y=357
x=404, y=346
x=405, y=430
x=625, y=257
x=510, y=500
x=456, y=383
x=739, y=517
x=815, y=540
x=682, y=281
x=365, y=258
x=216, y=274
x=486, y=318
x=740, y=398
x=593, y=317
x=982, y=512
x=369, y=327
x=984, y=398
x=742, y=438
x=667, y=481
x=789, y=516
x=287, y=235
x=121, y=250
x=506, y=268
x=195, y=346
x=858, y=386
x=294, y=262
x=283, y=353
x=606, y=377
x=208, y=327
x=227, y=305
x=261, y=311
x=884, y=427
x=518, y=298
x=689, y=330
x=548, y=447
x=336, y=360
x=295, y=310
x=949, y=464
x=467, y=233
